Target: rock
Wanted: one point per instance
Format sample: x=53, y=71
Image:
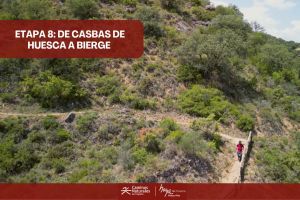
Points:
x=205, y=23
x=130, y=9
x=70, y=118
x=183, y=26
x=210, y=7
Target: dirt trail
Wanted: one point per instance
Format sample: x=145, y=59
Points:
x=55, y=114
x=232, y=174
x=229, y=175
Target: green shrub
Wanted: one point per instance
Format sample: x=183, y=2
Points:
x=296, y=137
x=78, y=175
x=14, y=129
x=295, y=115
x=148, y=14
x=188, y=74
x=169, y=103
x=8, y=98
x=6, y=16
x=130, y=2
x=66, y=69
x=59, y=166
x=277, y=159
x=108, y=176
x=152, y=29
x=175, y=136
x=62, y=135
x=108, y=156
x=271, y=119
x=37, y=137
x=134, y=101
x=214, y=140
x=193, y=144
x=277, y=77
x=7, y=150
x=202, y=102
x=234, y=23
x=15, y=159
x=139, y=155
x=107, y=85
x=274, y=58
x=36, y=9
x=217, y=139
x=230, y=10
x=52, y=91
x=168, y=125
x=203, y=14
x=153, y=144
x=25, y=158
x=151, y=19
x=245, y=123
x=200, y=2
x=63, y=150
x=171, y=5
x=83, y=9
x=205, y=124
x=85, y=123
x=289, y=74
x=291, y=104
x=50, y=122
x=145, y=86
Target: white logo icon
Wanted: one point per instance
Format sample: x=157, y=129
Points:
x=125, y=190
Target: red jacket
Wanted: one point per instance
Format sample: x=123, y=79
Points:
x=239, y=147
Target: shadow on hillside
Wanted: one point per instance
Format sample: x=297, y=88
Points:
x=238, y=89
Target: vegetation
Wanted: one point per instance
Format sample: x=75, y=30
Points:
x=83, y=9
x=245, y=123
x=150, y=18
x=202, y=63
x=202, y=102
x=278, y=158
x=52, y=91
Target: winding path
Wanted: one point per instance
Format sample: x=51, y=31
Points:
x=231, y=175
x=235, y=169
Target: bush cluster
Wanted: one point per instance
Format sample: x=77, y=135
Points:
x=51, y=91
x=202, y=102
x=278, y=158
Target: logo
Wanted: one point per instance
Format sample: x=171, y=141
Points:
x=168, y=192
x=125, y=190
x=135, y=190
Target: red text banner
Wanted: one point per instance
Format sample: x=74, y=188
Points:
x=71, y=39
x=150, y=191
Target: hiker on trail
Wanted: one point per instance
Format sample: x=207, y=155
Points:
x=239, y=150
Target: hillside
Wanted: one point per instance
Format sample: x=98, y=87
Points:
x=207, y=78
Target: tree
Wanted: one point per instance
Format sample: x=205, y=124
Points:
x=211, y=53
x=232, y=22
x=255, y=41
x=274, y=57
x=257, y=27
x=230, y=10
